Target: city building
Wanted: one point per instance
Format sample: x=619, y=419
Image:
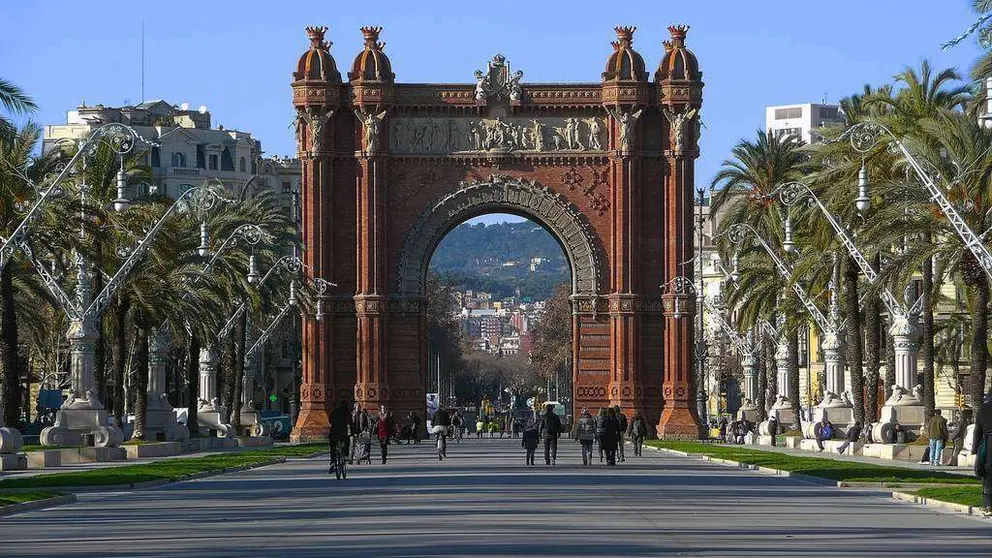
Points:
x=802, y=120
x=185, y=150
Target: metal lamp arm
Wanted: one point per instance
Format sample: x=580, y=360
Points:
x=122, y=143
x=737, y=234
x=117, y=281
x=291, y=263
x=864, y=136
x=791, y=192
x=735, y=337
x=67, y=303
x=269, y=331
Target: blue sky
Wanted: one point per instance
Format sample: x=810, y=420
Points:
x=236, y=57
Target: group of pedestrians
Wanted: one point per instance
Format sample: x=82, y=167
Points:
x=352, y=432
x=608, y=430
x=734, y=431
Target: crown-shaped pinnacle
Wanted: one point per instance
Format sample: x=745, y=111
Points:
x=316, y=35
x=625, y=34
x=371, y=34
x=678, y=33
x=669, y=47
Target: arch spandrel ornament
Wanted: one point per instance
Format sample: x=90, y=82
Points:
x=499, y=192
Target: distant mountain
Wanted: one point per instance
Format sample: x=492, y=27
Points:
x=501, y=257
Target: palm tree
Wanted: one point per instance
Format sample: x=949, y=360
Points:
x=18, y=166
x=16, y=102
x=746, y=182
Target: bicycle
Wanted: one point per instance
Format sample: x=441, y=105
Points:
x=339, y=459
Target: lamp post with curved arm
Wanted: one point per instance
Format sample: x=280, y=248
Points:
x=833, y=346
x=83, y=413
x=160, y=415
x=904, y=329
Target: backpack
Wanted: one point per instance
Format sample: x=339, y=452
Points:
x=586, y=430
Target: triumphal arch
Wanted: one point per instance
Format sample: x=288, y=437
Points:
x=605, y=166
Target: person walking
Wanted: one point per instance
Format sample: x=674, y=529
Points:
x=600, y=430
x=981, y=447
x=415, y=423
x=339, y=433
x=529, y=441
x=610, y=436
x=550, y=430
x=384, y=430
x=723, y=429
x=852, y=436
x=480, y=427
x=638, y=430
x=441, y=425
x=359, y=425
x=937, y=430
x=621, y=430
x=585, y=433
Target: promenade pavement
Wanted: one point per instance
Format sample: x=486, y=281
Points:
x=483, y=501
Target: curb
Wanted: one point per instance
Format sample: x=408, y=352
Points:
x=937, y=505
x=37, y=504
x=151, y=483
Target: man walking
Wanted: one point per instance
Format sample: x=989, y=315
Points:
x=638, y=430
x=585, y=433
x=621, y=430
x=550, y=430
x=937, y=430
x=359, y=425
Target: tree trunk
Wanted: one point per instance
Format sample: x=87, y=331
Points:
x=890, y=359
x=10, y=388
x=193, y=385
x=793, y=341
x=99, y=349
x=873, y=357
x=855, y=354
x=927, y=345
x=140, y=379
x=762, y=379
x=120, y=359
x=229, y=357
x=238, y=369
x=979, y=342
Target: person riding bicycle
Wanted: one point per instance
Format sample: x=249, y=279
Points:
x=339, y=435
x=441, y=425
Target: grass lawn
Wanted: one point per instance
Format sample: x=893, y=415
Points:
x=967, y=495
x=848, y=471
x=21, y=497
x=169, y=469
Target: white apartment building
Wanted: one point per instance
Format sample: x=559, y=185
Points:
x=802, y=120
x=186, y=151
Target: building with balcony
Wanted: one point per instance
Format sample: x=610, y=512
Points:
x=183, y=150
x=802, y=120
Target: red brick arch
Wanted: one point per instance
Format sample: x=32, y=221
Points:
x=389, y=168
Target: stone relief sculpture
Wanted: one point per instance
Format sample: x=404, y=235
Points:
x=625, y=120
x=595, y=131
x=516, y=92
x=316, y=118
x=452, y=135
x=371, y=122
x=678, y=122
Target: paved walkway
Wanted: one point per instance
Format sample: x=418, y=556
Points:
x=483, y=501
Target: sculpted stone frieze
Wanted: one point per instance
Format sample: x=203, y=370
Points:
x=416, y=135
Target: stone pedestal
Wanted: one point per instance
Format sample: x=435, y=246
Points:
x=210, y=417
x=44, y=459
x=160, y=422
x=10, y=440
x=13, y=461
x=902, y=409
x=76, y=426
x=251, y=424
